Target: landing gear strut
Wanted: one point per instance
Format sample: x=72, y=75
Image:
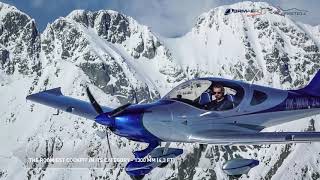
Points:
x=159, y=158
x=165, y=150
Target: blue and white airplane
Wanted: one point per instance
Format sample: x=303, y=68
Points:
x=181, y=116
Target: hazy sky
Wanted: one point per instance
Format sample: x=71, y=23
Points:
x=167, y=17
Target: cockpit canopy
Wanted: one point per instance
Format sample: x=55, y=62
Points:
x=199, y=93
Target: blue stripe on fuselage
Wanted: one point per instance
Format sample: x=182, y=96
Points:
x=295, y=101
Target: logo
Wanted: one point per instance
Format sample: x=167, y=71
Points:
x=248, y=12
x=292, y=11
x=278, y=11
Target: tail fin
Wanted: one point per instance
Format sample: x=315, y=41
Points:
x=313, y=88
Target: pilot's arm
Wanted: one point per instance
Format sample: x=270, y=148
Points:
x=226, y=105
x=220, y=106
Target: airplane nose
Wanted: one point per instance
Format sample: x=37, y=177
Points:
x=104, y=119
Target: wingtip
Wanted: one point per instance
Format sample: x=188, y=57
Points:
x=28, y=97
x=54, y=91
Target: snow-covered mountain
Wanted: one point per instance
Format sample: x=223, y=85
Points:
x=115, y=55
x=19, y=42
x=113, y=50
x=280, y=50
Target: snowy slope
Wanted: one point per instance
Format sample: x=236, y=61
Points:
x=114, y=55
x=240, y=46
x=122, y=44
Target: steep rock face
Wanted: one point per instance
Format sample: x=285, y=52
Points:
x=118, y=28
x=269, y=47
x=19, y=41
x=109, y=46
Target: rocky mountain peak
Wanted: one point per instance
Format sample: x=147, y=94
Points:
x=109, y=24
x=269, y=38
x=115, y=55
x=20, y=41
x=108, y=47
x=116, y=28
x=5, y=8
x=235, y=14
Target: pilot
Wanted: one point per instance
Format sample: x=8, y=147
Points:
x=221, y=102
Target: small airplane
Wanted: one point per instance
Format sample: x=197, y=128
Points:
x=182, y=116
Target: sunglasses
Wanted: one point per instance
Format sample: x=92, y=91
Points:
x=220, y=92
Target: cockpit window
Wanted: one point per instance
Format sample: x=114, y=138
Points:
x=190, y=90
x=200, y=93
x=258, y=97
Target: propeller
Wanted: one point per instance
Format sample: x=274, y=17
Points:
x=111, y=114
x=110, y=152
x=118, y=110
x=99, y=110
x=93, y=102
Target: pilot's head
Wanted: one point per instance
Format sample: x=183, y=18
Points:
x=218, y=91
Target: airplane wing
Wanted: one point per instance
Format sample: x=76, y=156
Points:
x=259, y=138
x=54, y=98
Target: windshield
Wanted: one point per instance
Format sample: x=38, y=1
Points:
x=200, y=93
x=190, y=90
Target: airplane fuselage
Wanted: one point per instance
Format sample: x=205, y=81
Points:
x=186, y=114
x=175, y=121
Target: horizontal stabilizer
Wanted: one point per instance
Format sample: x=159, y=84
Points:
x=54, y=98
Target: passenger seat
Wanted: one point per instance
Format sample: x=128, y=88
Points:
x=205, y=98
x=231, y=98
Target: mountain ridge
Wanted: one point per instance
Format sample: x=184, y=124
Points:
x=115, y=55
